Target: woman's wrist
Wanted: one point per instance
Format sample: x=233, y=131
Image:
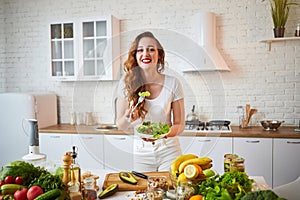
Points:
x=125, y=122
x=175, y=130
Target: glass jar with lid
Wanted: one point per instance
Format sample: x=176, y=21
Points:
x=233, y=162
x=90, y=192
x=237, y=165
x=184, y=190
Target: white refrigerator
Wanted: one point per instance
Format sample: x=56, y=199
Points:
x=15, y=110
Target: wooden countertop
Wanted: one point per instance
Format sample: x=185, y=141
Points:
x=255, y=131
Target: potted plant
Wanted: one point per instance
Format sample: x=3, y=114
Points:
x=280, y=12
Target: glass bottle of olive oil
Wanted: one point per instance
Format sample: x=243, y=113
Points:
x=75, y=183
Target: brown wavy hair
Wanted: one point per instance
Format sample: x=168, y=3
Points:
x=134, y=82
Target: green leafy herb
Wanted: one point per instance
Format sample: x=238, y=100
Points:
x=48, y=181
x=32, y=175
x=20, y=168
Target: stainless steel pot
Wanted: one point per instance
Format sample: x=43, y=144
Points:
x=271, y=124
x=192, y=116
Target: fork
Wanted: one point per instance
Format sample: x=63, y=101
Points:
x=140, y=100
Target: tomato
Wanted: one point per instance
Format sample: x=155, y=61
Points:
x=19, y=180
x=21, y=194
x=9, y=180
x=34, y=192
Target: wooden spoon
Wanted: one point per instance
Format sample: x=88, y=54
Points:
x=247, y=111
x=251, y=112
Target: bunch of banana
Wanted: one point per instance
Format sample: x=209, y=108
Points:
x=181, y=166
x=203, y=162
x=177, y=161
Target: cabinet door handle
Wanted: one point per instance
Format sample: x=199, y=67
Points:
x=252, y=141
x=206, y=140
x=289, y=142
x=54, y=136
x=87, y=138
x=118, y=138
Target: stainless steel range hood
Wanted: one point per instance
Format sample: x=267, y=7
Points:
x=204, y=28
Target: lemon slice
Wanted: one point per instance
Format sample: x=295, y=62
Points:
x=191, y=171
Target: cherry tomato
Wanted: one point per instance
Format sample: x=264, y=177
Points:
x=19, y=180
x=9, y=180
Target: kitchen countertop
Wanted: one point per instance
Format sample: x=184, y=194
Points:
x=255, y=131
x=260, y=184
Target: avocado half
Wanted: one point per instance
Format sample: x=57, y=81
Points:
x=128, y=177
x=110, y=190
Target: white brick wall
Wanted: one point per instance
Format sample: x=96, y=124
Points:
x=268, y=80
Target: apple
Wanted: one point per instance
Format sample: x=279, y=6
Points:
x=21, y=194
x=34, y=191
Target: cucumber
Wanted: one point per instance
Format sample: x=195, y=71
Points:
x=10, y=188
x=110, y=190
x=49, y=195
x=63, y=195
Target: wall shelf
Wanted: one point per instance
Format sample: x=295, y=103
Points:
x=270, y=41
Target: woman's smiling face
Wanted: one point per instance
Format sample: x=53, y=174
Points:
x=147, y=53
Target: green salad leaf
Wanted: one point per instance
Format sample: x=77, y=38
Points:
x=229, y=186
x=144, y=94
x=152, y=128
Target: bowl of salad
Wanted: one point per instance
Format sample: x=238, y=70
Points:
x=152, y=130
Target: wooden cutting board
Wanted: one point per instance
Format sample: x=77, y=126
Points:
x=141, y=184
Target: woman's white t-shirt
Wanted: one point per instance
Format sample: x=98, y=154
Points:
x=157, y=156
x=159, y=109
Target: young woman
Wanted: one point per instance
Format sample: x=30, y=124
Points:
x=143, y=72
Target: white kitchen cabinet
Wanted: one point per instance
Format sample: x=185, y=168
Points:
x=63, y=50
x=55, y=145
x=257, y=153
x=118, y=152
x=86, y=49
x=90, y=150
x=100, y=48
x=286, y=162
x=213, y=147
